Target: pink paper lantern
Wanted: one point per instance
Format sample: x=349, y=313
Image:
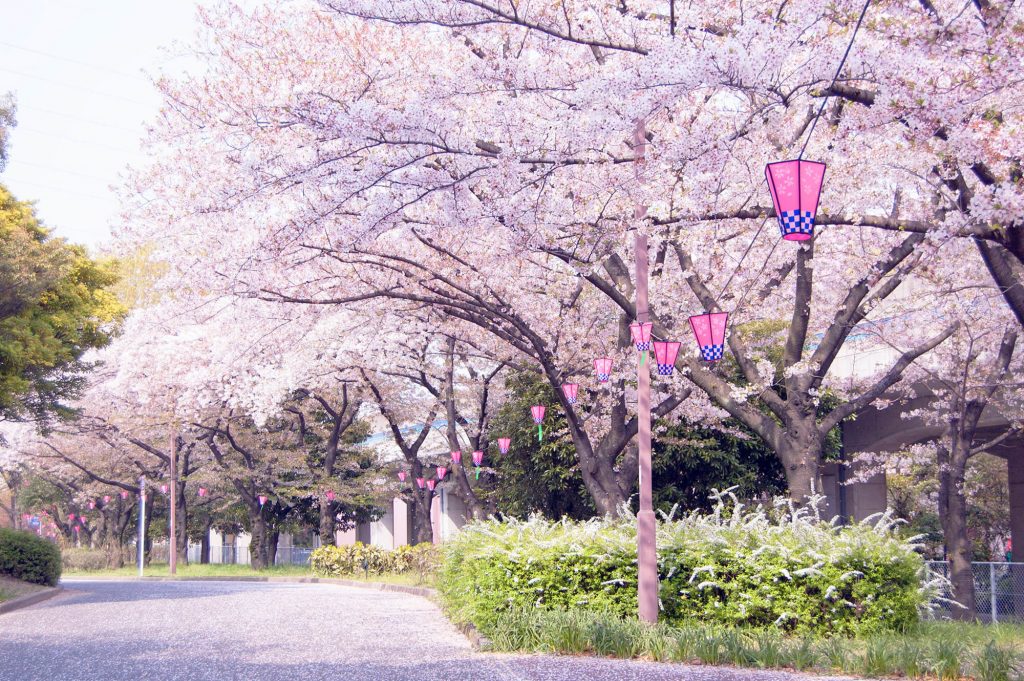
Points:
x=431, y=484
x=420, y=482
x=795, y=187
x=641, y=335
x=478, y=457
x=570, y=390
x=401, y=476
x=603, y=369
x=330, y=495
x=106, y=499
x=163, y=489
x=202, y=491
x=71, y=516
x=537, y=411
x=457, y=457
x=709, y=328
x=504, y=443
x=26, y=516
x=263, y=499
x=83, y=519
x=76, y=528
x=124, y=494
x=441, y=472
x=665, y=354
x=92, y=505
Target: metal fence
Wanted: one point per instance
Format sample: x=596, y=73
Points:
x=998, y=589
x=227, y=553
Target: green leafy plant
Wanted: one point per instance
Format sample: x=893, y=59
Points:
x=29, y=558
x=359, y=558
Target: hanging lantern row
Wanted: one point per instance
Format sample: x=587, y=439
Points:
x=420, y=482
x=431, y=484
x=603, y=369
x=570, y=390
x=709, y=329
x=441, y=472
x=504, y=443
x=457, y=457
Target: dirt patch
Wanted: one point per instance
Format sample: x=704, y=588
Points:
x=12, y=588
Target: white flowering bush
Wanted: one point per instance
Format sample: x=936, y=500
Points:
x=760, y=567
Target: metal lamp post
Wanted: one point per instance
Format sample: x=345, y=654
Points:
x=647, y=555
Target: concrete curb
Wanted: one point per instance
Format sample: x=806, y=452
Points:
x=30, y=599
x=425, y=592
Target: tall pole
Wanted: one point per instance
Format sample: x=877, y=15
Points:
x=173, y=552
x=647, y=555
x=142, y=522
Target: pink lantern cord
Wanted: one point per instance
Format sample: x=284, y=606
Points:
x=537, y=411
x=478, y=458
x=431, y=484
x=665, y=354
x=457, y=457
x=795, y=187
x=570, y=390
x=420, y=482
x=603, y=369
x=441, y=472
x=709, y=329
x=504, y=444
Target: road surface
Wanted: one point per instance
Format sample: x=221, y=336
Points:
x=130, y=630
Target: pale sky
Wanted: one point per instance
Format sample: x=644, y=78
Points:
x=76, y=68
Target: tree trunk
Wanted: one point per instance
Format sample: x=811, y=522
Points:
x=258, y=543
x=953, y=515
x=181, y=525
x=423, y=527
x=204, y=546
x=327, y=522
x=273, y=537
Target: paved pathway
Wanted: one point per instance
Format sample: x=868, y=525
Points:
x=125, y=630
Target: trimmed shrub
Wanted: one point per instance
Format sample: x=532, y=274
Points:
x=84, y=559
x=29, y=558
x=340, y=561
x=781, y=567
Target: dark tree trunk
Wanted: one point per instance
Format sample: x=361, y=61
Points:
x=327, y=522
x=204, y=546
x=181, y=526
x=423, y=527
x=258, y=544
x=272, y=539
x=953, y=515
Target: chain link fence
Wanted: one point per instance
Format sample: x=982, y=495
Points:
x=998, y=589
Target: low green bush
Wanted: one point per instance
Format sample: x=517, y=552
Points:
x=29, y=558
x=82, y=560
x=780, y=567
x=340, y=561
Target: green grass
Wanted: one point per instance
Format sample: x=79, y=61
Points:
x=935, y=650
x=230, y=570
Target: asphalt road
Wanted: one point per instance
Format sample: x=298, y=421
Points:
x=121, y=630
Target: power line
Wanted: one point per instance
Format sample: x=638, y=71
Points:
x=58, y=57
x=45, y=133
x=72, y=85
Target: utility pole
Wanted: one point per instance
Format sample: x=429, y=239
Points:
x=142, y=522
x=647, y=554
x=173, y=552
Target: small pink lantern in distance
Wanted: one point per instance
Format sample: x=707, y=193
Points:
x=478, y=459
x=163, y=489
x=421, y=483
x=83, y=519
x=795, y=187
x=537, y=411
x=603, y=369
x=504, y=444
x=329, y=494
x=431, y=484
x=641, y=335
x=202, y=491
x=401, y=476
x=263, y=499
x=457, y=457
x=441, y=472
x=124, y=494
x=665, y=354
x=71, y=516
x=92, y=505
x=570, y=390
x=106, y=499
x=709, y=328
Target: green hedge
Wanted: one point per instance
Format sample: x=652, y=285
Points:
x=29, y=558
x=83, y=559
x=339, y=561
x=777, y=568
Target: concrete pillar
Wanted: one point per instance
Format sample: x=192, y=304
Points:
x=435, y=516
x=400, y=511
x=1015, y=464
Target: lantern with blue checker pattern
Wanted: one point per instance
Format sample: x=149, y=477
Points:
x=795, y=187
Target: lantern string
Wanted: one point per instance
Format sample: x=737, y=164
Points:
x=742, y=258
x=842, y=62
